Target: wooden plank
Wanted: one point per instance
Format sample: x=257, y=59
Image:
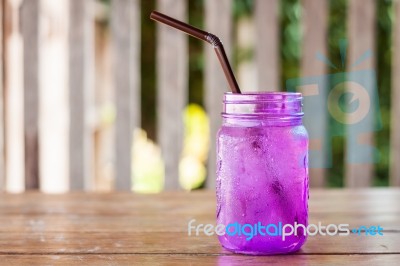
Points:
x=79, y=223
x=172, y=88
x=361, y=32
x=199, y=259
x=2, y=121
x=14, y=99
x=30, y=33
x=153, y=242
x=106, y=222
x=125, y=27
x=53, y=96
x=69, y=213
x=395, y=112
x=219, y=22
x=131, y=223
x=81, y=48
x=126, y=227
x=104, y=138
x=380, y=201
x=267, y=44
x=315, y=26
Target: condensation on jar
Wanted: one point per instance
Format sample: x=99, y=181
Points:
x=262, y=172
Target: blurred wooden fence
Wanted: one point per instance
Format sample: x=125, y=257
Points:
x=47, y=28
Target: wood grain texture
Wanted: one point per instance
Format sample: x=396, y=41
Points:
x=81, y=49
x=361, y=32
x=267, y=44
x=378, y=200
x=315, y=26
x=219, y=22
x=395, y=112
x=30, y=35
x=176, y=243
x=123, y=228
x=125, y=21
x=182, y=259
x=172, y=88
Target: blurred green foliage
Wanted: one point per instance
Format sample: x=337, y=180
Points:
x=196, y=59
x=148, y=60
x=290, y=37
x=290, y=53
x=383, y=55
x=336, y=33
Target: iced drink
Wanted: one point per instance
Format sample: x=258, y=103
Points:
x=262, y=172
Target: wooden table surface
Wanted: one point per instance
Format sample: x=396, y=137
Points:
x=131, y=229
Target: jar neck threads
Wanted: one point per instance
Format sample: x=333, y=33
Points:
x=267, y=108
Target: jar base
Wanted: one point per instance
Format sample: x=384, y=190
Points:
x=265, y=253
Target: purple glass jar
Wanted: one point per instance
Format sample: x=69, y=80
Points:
x=262, y=173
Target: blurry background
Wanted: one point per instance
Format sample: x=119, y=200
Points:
x=97, y=96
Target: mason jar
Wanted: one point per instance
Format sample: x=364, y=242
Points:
x=262, y=173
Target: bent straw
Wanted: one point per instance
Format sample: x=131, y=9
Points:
x=204, y=36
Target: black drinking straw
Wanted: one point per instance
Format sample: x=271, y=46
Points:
x=205, y=36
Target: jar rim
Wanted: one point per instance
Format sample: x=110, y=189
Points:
x=265, y=92
x=258, y=96
x=264, y=105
